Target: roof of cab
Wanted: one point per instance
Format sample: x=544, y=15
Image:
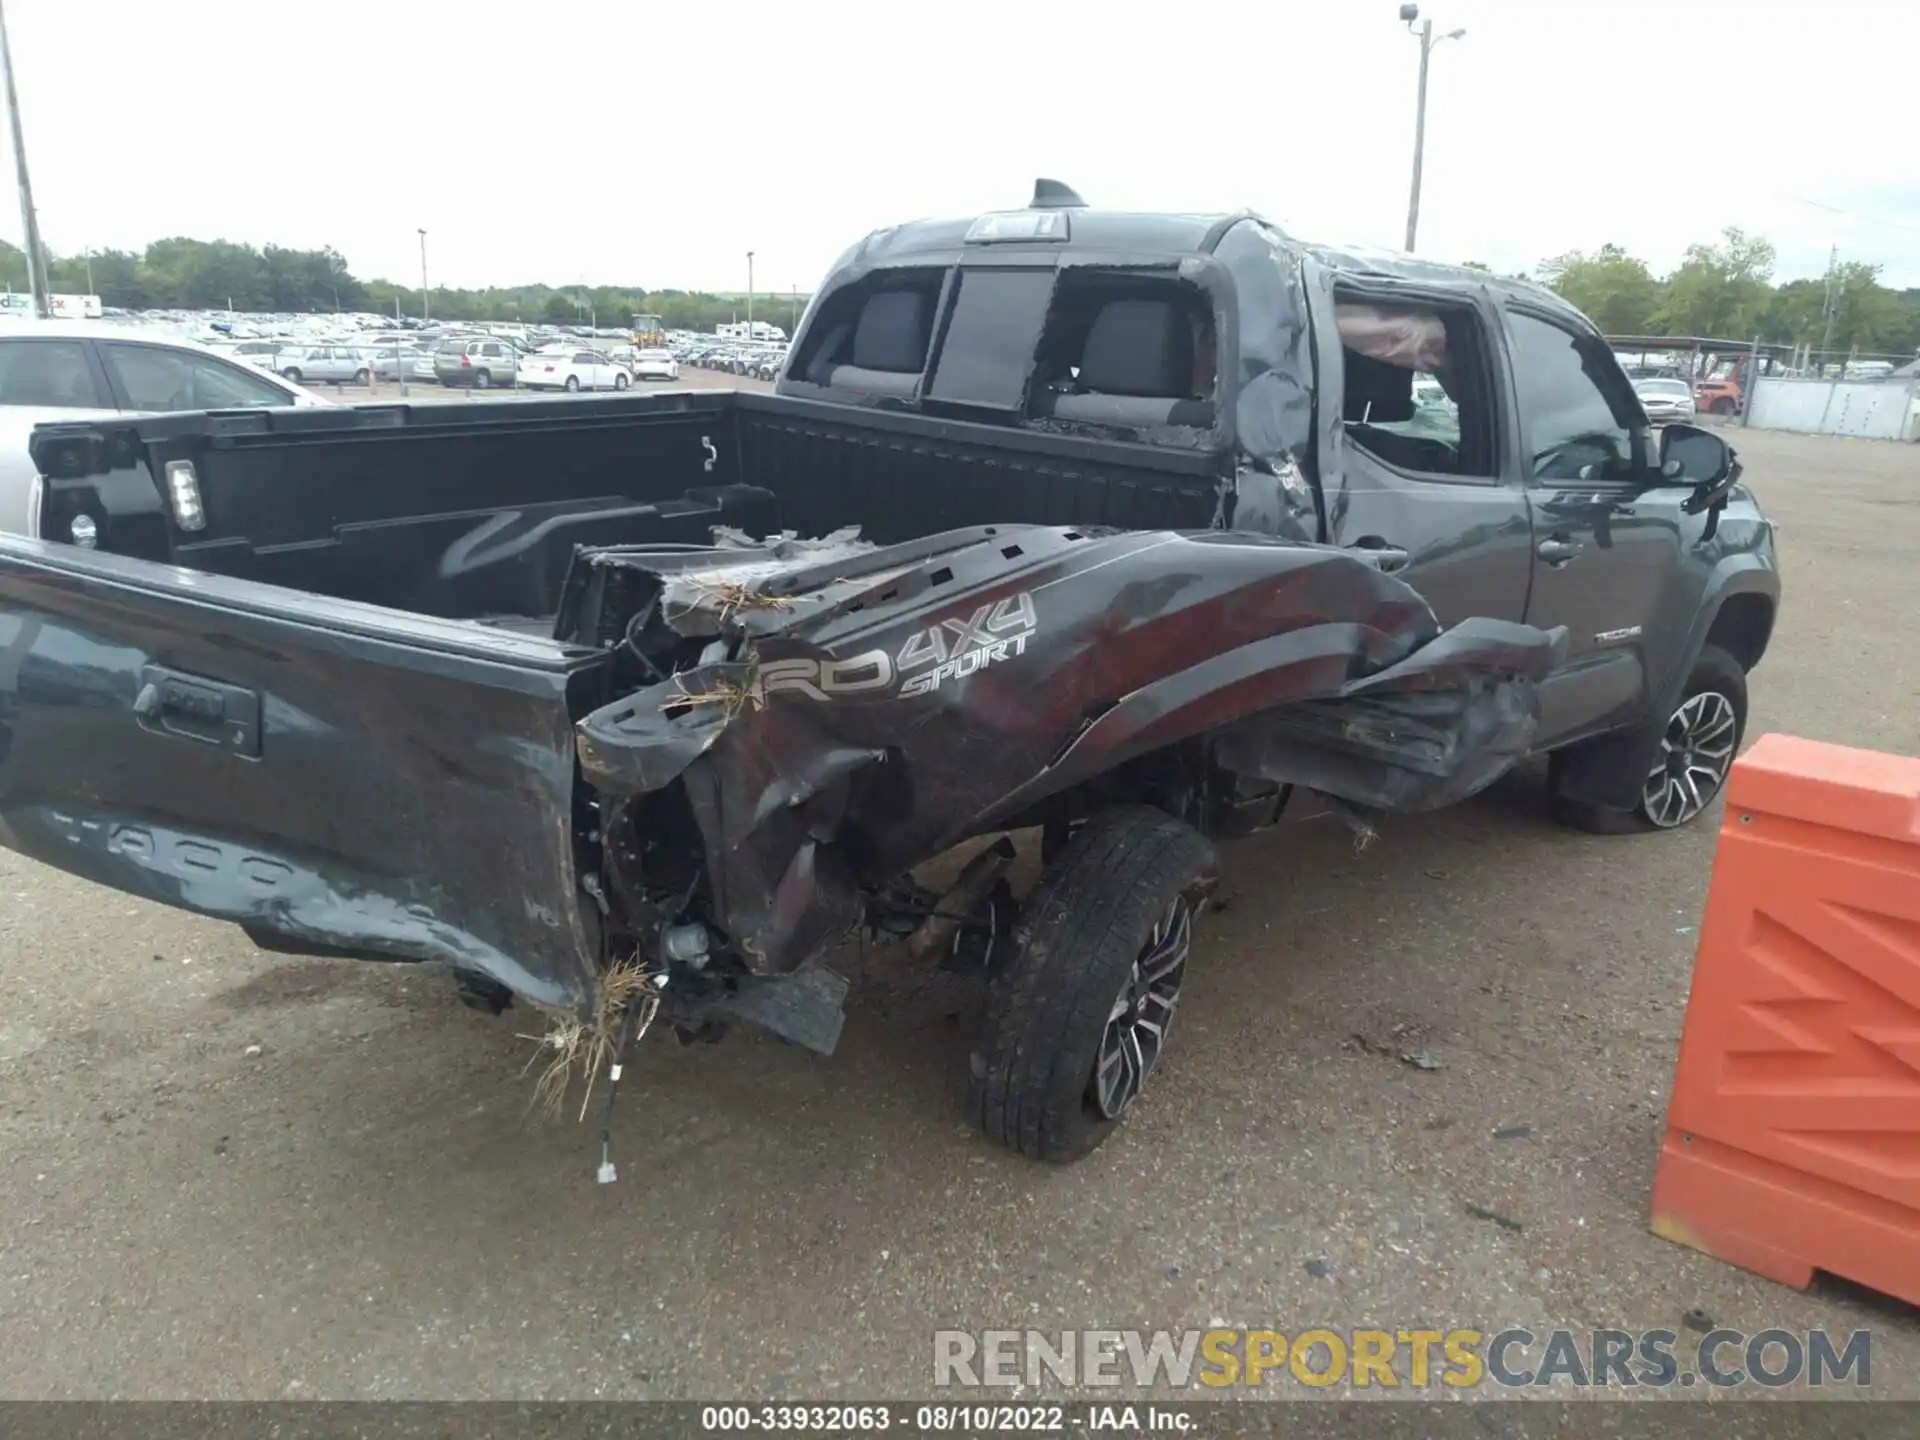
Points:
x=1168, y=237
x=1115, y=230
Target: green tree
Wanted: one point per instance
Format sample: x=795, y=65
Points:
x=1612, y=288
x=13, y=266
x=1867, y=316
x=1721, y=291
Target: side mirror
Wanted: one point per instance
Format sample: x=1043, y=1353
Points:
x=1692, y=456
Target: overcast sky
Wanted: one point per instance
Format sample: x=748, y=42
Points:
x=613, y=141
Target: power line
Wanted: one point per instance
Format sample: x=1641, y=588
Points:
x=1856, y=215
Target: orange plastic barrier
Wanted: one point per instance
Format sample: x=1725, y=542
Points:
x=1793, y=1137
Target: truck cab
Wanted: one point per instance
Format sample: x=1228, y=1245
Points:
x=1475, y=434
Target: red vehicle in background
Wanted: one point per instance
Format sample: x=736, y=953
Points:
x=1718, y=368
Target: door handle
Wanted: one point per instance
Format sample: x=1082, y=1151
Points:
x=1557, y=550
x=1387, y=558
x=192, y=708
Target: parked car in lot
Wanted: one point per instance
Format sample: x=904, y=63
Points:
x=342, y=364
x=390, y=361
x=572, y=370
x=68, y=370
x=1155, y=549
x=253, y=352
x=655, y=365
x=480, y=363
x=1666, y=400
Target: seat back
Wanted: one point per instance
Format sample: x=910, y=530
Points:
x=889, y=344
x=1136, y=368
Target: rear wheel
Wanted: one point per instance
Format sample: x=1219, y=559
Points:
x=1697, y=746
x=292, y=372
x=1722, y=405
x=573, y=382
x=482, y=379
x=1077, y=1020
x=362, y=377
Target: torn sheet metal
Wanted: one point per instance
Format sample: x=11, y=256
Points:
x=866, y=708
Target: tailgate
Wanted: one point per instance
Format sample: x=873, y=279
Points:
x=331, y=776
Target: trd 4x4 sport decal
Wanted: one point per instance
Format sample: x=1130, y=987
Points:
x=953, y=648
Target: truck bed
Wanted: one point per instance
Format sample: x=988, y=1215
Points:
x=472, y=512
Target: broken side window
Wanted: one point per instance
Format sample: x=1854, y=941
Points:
x=1128, y=350
x=872, y=336
x=1418, y=391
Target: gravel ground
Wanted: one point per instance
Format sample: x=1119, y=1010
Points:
x=364, y=1207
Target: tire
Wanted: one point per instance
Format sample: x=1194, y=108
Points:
x=1128, y=883
x=1723, y=405
x=483, y=379
x=573, y=382
x=362, y=377
x=292, y=372
x=1711, y=720
x=619, y=382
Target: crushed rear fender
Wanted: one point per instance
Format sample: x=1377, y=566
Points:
x=857, y=710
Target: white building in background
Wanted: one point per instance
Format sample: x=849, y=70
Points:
x=65, y=307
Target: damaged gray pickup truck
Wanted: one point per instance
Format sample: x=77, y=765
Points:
x=1126, y=532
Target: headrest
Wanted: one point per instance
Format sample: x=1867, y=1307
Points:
x=1139, y=347
x=893, y=331
x=1376, y=391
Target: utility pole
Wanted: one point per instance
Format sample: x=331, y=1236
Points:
x=29, y=221
x=424, y=306
x=1832, y=307
x=1409, y=14
x=749, y=295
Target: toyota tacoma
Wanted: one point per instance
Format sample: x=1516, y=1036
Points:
x=1119, y=533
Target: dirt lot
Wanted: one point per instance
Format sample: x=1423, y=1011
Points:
x=365, y=1207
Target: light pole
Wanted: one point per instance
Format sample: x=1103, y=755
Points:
x=29, y=221
x=749, y=295
x=1427, y=39
x=424, y=316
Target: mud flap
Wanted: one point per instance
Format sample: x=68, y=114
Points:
x=806, y=1009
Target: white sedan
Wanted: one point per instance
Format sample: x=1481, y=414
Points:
x=571, y=370
x=656, y=365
